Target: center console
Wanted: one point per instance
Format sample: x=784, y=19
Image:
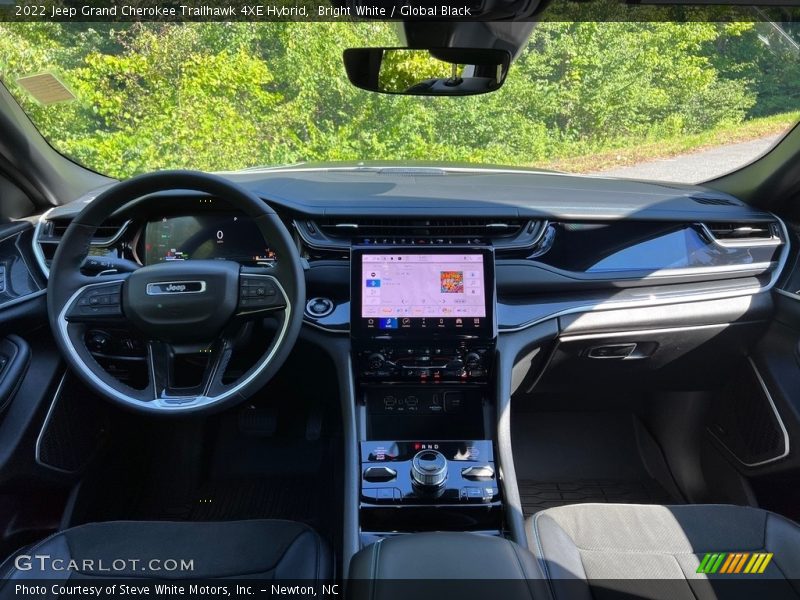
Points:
x=423, y=337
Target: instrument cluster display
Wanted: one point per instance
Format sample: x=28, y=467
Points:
x=214, y=236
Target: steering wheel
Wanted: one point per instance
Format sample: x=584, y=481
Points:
x=179, y=307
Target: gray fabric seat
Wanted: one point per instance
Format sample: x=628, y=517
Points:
x=649, y=551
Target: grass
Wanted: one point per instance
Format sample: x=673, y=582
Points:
x=633, y=152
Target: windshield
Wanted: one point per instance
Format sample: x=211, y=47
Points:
x=675, y=101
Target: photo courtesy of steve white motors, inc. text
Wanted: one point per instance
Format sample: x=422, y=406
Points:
x=173, y=590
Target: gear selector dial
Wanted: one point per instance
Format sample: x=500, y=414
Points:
x=429, y=468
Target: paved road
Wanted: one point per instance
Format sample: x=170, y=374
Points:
x=696, y=166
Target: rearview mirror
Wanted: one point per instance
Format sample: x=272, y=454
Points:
x=430, y=72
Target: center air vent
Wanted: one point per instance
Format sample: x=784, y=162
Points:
x=744, y=233
x=340, y=233
x=408, y=230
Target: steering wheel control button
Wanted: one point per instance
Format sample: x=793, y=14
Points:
x=258, y=293
x=429, y=469
x=319, y=307
x=97, y=301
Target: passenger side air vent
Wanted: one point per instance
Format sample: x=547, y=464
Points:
x=49, y=233
x=744, y=233
x=504, y=234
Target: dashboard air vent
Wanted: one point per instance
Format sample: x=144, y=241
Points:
x=744, y=232
x=408, y=230
x=105, y=232
x=50, y=231
x=505, y=234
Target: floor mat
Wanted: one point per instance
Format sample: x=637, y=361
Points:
x=577, y=457
x=288, y=498
x=305, y=495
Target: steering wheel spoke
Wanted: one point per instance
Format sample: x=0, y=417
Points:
x=170, y=388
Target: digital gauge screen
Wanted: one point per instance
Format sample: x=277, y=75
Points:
x=207, y=237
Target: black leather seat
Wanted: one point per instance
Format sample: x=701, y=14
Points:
x=263, y=549
x=590, y=551
x=444, y=566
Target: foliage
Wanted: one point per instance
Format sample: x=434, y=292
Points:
x=219, y=96
x=402, y=69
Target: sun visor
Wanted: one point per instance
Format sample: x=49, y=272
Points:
x=46, y=88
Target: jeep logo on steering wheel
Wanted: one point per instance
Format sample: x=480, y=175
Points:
x=175, y=287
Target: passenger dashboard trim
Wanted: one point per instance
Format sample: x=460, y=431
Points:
x=721, y=295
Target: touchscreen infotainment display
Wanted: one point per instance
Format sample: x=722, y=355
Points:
x=402, y=291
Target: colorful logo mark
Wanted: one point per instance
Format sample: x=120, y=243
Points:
x=729, y=563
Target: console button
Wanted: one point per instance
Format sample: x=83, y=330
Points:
x=453, y=401
x=385, y=494
x=379, y=474
x=319, y=307
x=489, y=493
x=478, y=473
x=475, y=493
x=473, y=360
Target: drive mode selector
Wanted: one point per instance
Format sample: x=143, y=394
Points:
x=429, y=468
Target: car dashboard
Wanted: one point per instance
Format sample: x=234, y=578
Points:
x=564, y=246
